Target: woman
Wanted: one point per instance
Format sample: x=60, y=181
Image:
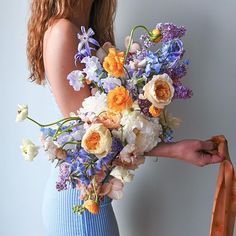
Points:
x=52, y=44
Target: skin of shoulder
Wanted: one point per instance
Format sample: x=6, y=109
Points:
x=59, y=47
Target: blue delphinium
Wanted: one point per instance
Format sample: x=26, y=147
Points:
x=171, y=53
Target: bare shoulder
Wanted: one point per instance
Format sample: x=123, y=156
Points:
x=62, y=29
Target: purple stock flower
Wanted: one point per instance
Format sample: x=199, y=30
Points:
x=176, y=73
x=181, y=92
x=170, y=31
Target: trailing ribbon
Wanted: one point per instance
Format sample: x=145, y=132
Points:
x=224, y=205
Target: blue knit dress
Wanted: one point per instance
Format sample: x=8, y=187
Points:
x=59, y=219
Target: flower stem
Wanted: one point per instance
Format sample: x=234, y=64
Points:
x=70, y=142
x=64, y=122
x=131, y=37
x=46, y=125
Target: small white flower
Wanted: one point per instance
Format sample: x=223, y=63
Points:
x=22, y=113
x=122, y=174
x=29, y=150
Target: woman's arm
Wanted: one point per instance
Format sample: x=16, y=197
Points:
x=60, y=46
x=194, y=151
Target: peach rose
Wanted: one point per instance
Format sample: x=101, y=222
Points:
x=110, y=119
x=159, y=91
x=97, y=140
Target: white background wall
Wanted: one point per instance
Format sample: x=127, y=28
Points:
x=167, y=198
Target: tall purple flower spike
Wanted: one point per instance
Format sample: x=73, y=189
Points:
x=84, y=49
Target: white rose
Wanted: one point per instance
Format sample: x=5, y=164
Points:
x=97, y=140
x=29, y=150
x=159, y=91
x=122, y=174
x=22, y=113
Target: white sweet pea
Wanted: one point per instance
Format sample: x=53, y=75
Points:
x=22, y=113
x=122, y=174
x=29, y=150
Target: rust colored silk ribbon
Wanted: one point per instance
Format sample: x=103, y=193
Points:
x=224, y=204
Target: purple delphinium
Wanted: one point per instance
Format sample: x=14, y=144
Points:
x=170, y=31
x=63, y=177
x=181, y=92
x=76, y=79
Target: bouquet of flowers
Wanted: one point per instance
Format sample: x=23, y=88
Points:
x=98, y=148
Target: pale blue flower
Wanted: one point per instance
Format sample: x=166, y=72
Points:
x=76, y=79
x=110, y=83
x=92, y=68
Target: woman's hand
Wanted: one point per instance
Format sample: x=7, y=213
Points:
x=196, y=152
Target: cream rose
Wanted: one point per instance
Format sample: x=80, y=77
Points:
x=97, y=140
x=159, y=91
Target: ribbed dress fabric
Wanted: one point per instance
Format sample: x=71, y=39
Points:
x=59, y=219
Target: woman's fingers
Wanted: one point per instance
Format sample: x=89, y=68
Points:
x=208, y=145
x=210, y=157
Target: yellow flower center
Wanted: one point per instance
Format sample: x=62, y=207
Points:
x=92, y=141
x=162, y=90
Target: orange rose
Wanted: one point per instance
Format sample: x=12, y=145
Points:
x=154, y=111
x=118, y=99
x=114, y=62
x=110, y=119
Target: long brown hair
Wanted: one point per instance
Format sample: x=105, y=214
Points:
x=43, y=14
